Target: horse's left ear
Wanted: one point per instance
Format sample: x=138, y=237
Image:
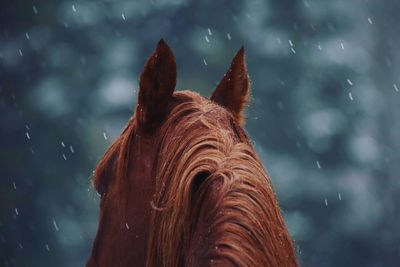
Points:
x=234, y=89
x=157, y=84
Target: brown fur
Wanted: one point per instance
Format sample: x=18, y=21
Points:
x=189, y=190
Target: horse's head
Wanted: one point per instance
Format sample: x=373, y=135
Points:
x=154, y=180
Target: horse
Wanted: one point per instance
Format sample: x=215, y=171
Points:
x=182, y=184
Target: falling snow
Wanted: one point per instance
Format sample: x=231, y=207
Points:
x=395, y=87
x=349, y=82
x=350, y=96
x=318, y=165
x=55, y=225
x=338, y=52
x=34, y=9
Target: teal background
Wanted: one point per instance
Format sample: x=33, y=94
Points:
x=324, y=114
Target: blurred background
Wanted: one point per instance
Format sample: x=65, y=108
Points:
x=324, y=115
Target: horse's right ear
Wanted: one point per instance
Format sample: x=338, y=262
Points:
x=157, y=84
x=234, y=89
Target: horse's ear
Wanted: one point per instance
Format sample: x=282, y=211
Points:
x=234, y=89
x=157, y=84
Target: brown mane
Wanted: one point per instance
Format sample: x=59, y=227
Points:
x=212, y=202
